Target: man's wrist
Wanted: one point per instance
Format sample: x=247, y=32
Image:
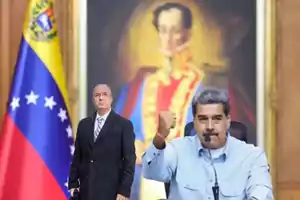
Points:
x=159, y=141
x=161, y=136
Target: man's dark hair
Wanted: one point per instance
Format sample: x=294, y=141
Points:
x=241, y=127
x=186, y=14
x=212, y=96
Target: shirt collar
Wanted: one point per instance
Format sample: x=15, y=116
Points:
x=104, y=117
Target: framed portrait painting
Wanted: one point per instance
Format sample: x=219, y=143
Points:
x=157, y=54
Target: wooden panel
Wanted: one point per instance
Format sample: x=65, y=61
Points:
x=289, y=191
x=4, y=55
x=12, y=17
x=12, y=13
x=64, y=11
x=288, y=143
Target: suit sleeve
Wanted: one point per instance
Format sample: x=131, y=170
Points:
x=129, y=159
x=74, y=170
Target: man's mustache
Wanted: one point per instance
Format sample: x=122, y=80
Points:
x=210, y=133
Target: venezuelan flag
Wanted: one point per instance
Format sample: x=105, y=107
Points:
x=36, y=143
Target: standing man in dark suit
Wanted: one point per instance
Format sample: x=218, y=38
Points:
x=104, y=158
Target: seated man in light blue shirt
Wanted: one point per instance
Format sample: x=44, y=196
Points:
x=210, y=160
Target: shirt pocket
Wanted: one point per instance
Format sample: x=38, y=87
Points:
x=189, y=186
x=232, y=191
x=188, y=181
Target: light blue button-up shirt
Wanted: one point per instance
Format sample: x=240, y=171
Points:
x=242, y=170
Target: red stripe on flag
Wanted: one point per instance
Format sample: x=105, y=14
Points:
x=23, y=174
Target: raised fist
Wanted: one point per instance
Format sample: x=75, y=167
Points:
x=166, y=121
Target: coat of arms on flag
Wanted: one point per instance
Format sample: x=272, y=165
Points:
x=41, y=24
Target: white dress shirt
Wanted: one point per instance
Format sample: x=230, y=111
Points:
x=104, y=117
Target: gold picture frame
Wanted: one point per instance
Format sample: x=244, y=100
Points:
x=270, y=87
x=266, y=73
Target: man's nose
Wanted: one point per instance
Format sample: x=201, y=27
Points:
x=210, y=125
x=169, y=38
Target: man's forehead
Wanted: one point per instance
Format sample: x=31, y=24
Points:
x=101, y=88
x=171, y=16
x=210, y=109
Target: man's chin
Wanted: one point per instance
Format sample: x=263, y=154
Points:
x=102, y=108
x=212, y=144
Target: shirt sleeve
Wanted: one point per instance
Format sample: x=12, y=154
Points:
x=160, y=165
x=259, y=182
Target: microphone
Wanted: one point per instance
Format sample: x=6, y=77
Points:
x=215, y=188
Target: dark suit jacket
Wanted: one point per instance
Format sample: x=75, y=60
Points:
x=104, y=168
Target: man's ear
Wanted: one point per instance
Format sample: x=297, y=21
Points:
x=228, y=122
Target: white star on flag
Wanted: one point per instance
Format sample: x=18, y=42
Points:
x=62, y=114
x=72, y=149
x=31, y=98
x=15, y=103
x=69, y=131
x=49, y=102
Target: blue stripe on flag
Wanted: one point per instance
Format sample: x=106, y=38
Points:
x=41, y=125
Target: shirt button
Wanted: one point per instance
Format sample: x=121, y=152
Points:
x=91, y=161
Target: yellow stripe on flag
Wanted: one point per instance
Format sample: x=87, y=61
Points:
x=45, y=44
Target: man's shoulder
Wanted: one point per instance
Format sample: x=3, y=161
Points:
x=85, y=120
x=142, y=73
x=84, y=123
x=117, y=117
x=121, y=119
x=245, y=149
x=182, y=141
